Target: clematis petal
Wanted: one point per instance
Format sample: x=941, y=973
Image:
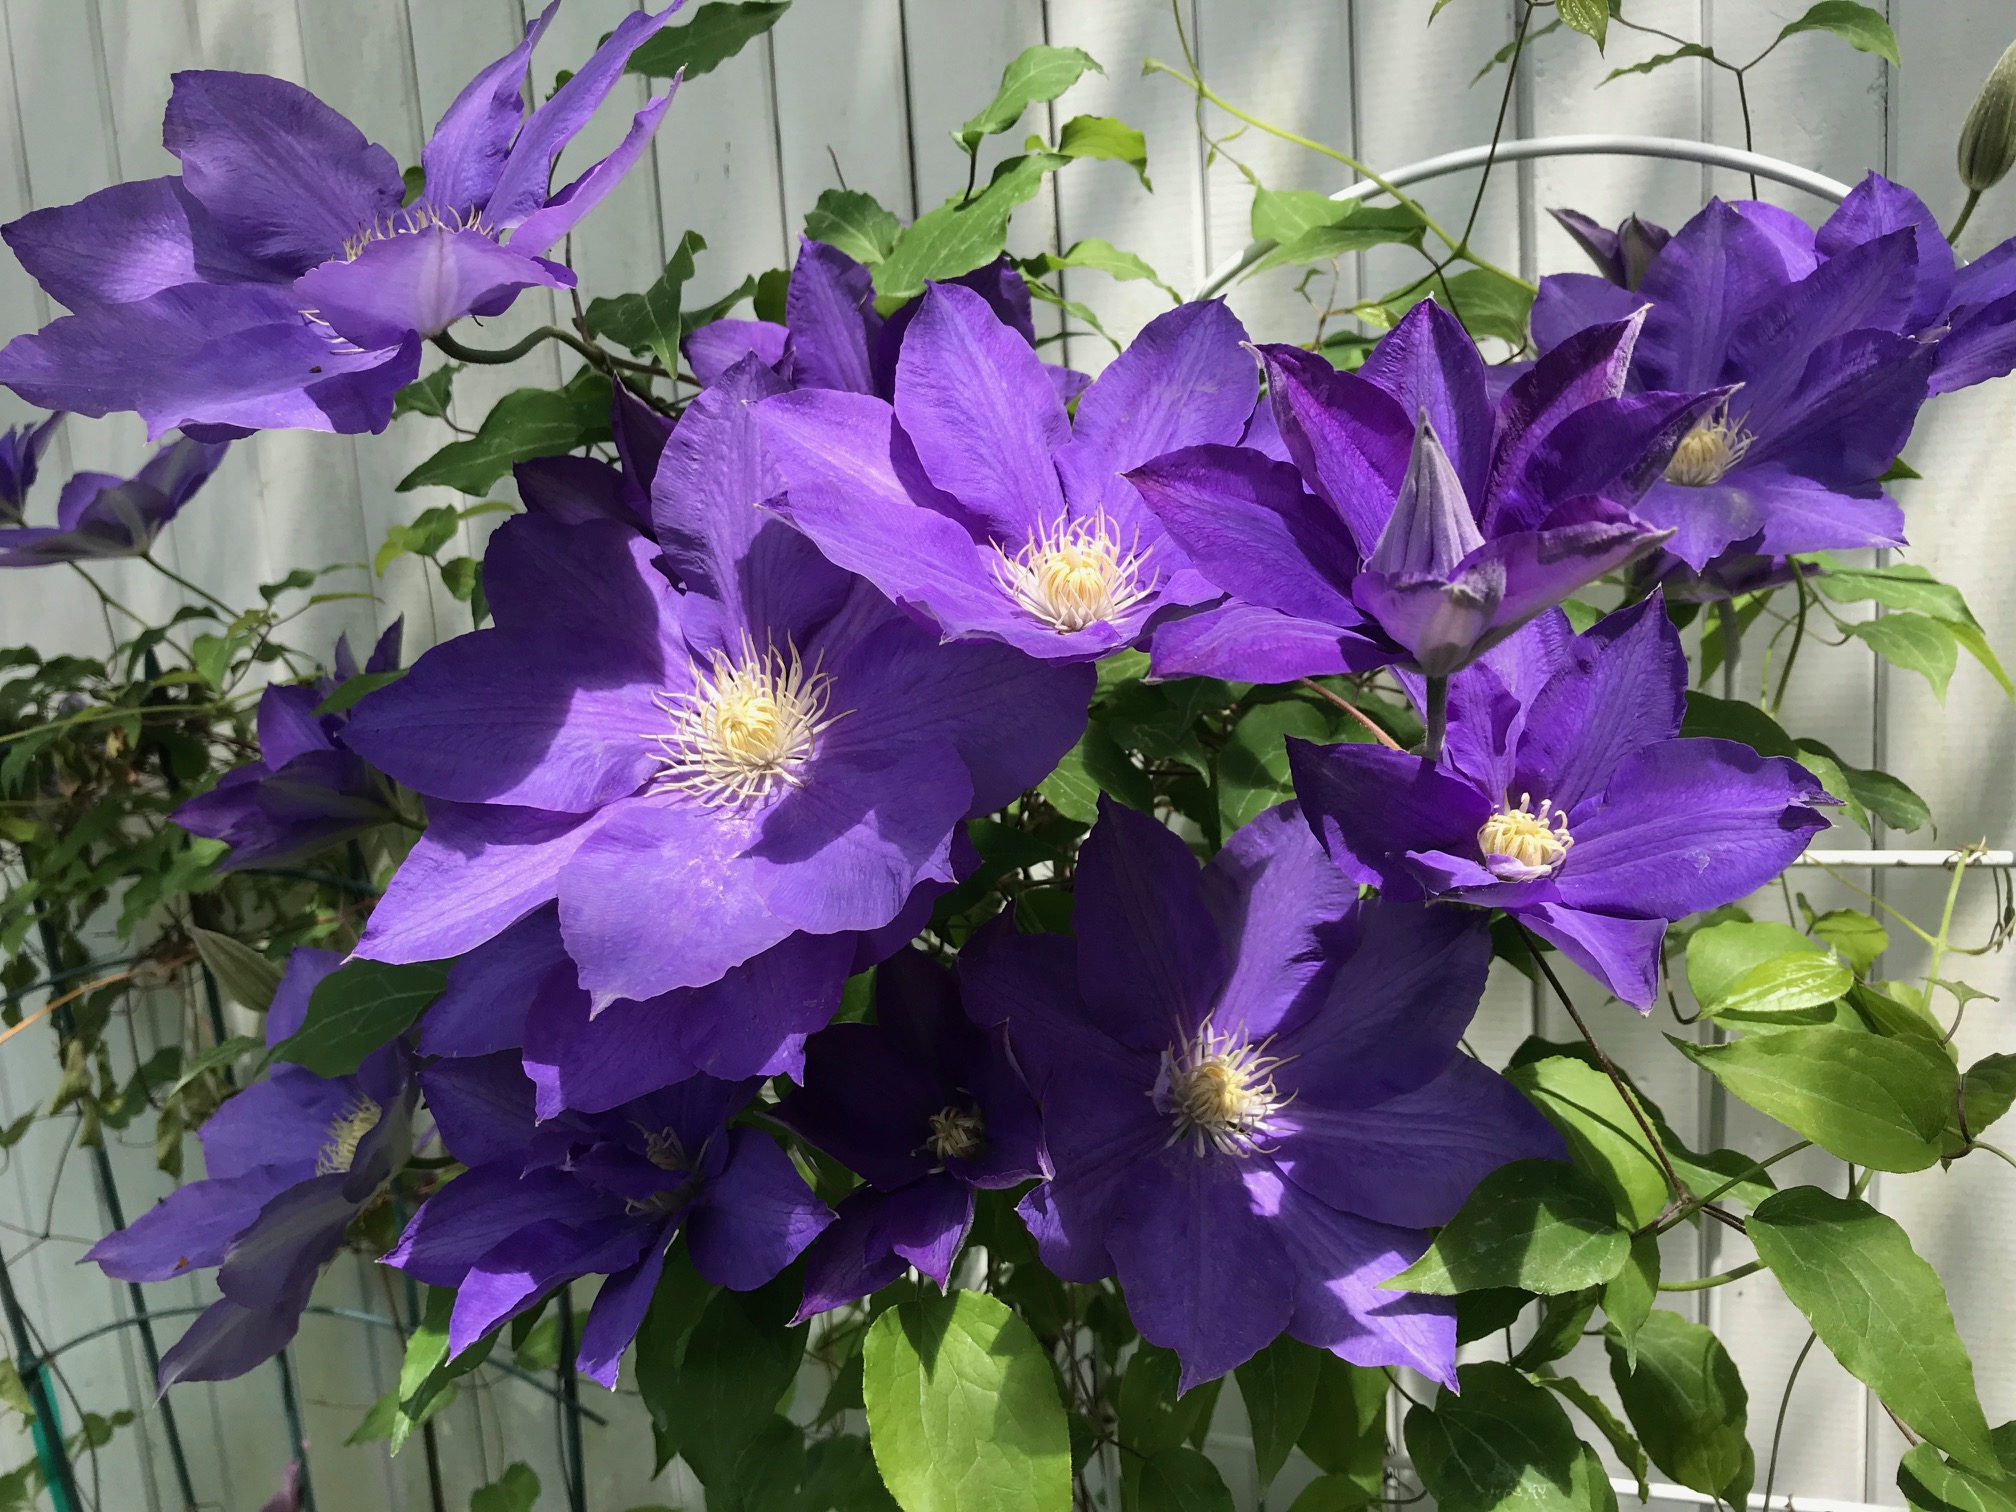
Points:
x=467, y=149
x=1428, y=363
x=1371, y=808
x=287, y=178
x=1718, y=268
x=564, y=211
x=1876, y=208
x=618, y=1312
x=755, y=1218
x=191, y=1227
x=877, y=1236
x=718, y=346
x=1245, y=643
x=423, y=280
x=482, y=1105
x=1621, y=953
x=1852, y=411
x=1687, y=825
x=1587, y=367
x=829, y=307
x=1571, y=302
x=972, y=396
x=1351, y=439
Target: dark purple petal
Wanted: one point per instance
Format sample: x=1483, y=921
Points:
x=1981, y=345
x=874, y=1236
x=1371, y=808
x=1338, y=1261
x=984, y=417
x=1441, y=622
x=1428, y=363
x=306, y=967
x=867, y=1101
x=492, y=989
x=1253, y=529
x=1351, y=440
x=1876, y=208
x=226, y=1342
x=288, y=724
x=518, y=717
x=830, y=309
x=285, y=176
x=527, y=1264
x=1717, y=269
x=423, y=281
x=1571, y=302
x=191, y=1227
x=1576, y=545
x=1623, y=954
x=1412, y=1159
x=1623, y=688
x=1393, y=1010
x=127, y=242
x=1204, y=1272
x=1151, y=963
x=476, y=871
x=471, y=1215
x=1617, y=448
x=1687, y=825
x=1284, y=909
x=715, y=348
x=618, y=1313
x=1587, y=367
x=482, y=1105
x=1249, y=644
x=564, y=211
x=1851, y=412
x=273, y=1262
x=1600, y=242
x=466, y=151
x=755, y=1217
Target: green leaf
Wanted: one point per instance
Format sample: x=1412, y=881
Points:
x=1176, y=1480
x=1103, y=137
x=1989, y=1090
x=1880, y=1309
x=1281, y=215
x=1603, y=1138
x=1559, y=1330
x=385, y=1420
x=738, y=1365
x=1622, y=1441
x=1537, y=1224
x=855, y=223
x=1874, y=1101
x=1732, y=719
x=1783, y=990
x=1932, y=1483
x=1857, y=936
x=649, y=322
x=1333, y=1493
x=1278, y=1386
x=1502, y=1442
x=1101, y=257
x=1628, y=1296
x=245, y=975
x=676, y=1305
x=524, y=424
x=1357, y=228
x=14, y=1391
x=1488, y=304
x=1037, y=74
x=954, y=238
x=517, y=1490
x=1686, y=1399
x=1253, y=766
x=1721, y=955
x=1902, y=586
x=1861, y=28
x=715, y=34
x=1660, y=60
x=1914, y=642
x=1590, y=17
x=1151, y=1416
x=1887, y=797
x=1504, y=54
x=963, y=1412
x=1975, y=640
x=358, y=1007
x=1097, y=764
x=225, y=1053
x=1346, y=1431
x=427, y=396
x=352, y=689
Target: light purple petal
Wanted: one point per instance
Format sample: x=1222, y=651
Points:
x=1245, y=643
x=1718, y=268
x=1571, y=302
x=715, y=348
x=830, y=309
x=466, y=151
x=1621, y=953
x=1623, y=689
x=564, y=211
x=423, y=281
x=191, y=1227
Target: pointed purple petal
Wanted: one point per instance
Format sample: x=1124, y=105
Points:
x=1429, y=363
x=1351, y=440
x=1245, y=643
x=1572, y=302
x=466, y=151
x=564, y=211
x=421, y=281
x=755, y=1218
x=830, y=309
x=128, y=242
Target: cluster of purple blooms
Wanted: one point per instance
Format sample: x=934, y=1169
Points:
x=716, y=752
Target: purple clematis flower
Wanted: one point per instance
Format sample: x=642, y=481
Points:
x=926, y=1107
x=1252, y=1092
x=975, y=501
x=99, y=516
x=1634, y=826
x=1820, y=342
x=281, y=280
x=306, y=792
x=291, y=1160
x=21, y=449
x=1622, y=255
x=543, y=1204
x=832, y=337
x=697, y=777
x=1418, y=522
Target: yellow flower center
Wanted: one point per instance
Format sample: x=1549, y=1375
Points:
x=747, y=728
x=1076, y=573
x=1218, y=1091
x=346, y=1131
x=1715, y=445
x=1536, y=841
x=956, y=1133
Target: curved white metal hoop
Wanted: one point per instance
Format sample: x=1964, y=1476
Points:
x=1676, y=148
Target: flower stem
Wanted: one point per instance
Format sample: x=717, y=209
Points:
x=1966, y=214
x=182, y=582
x=1437, y=714
x=1732, y=643
x=494, y=357
x=1946, y=923
x=1353, y=710
x=1778, y=1432
x=1748, y=1268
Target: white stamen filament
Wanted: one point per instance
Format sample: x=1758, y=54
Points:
x=1218, y=1091
x=1708, y=451
x=1538, y=841
x=1076, y=573
x=747, y=728
x=346, y=1131
x=415, y=217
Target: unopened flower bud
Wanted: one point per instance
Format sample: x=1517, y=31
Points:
x=1988, y=139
